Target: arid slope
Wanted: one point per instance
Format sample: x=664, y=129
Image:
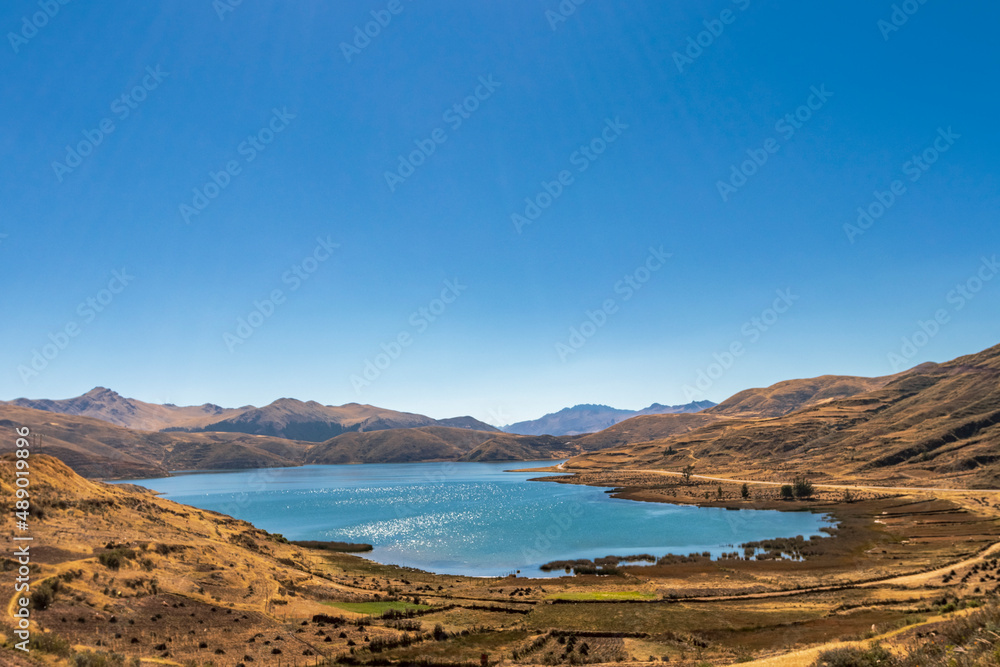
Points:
x=937, y=422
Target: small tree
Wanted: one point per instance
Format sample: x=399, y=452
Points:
x=720, y=492
x=745, y=491
x=786, y=492
x=687, y=472
x=802, y=488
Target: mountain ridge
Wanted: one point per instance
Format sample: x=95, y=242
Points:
x=933, y=424
x=287, y=418
x=591, y=417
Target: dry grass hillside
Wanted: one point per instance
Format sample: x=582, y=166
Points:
x=938, y=423
x=95, y=448
x=785, y=397
x=431, y=443
x=118, y=569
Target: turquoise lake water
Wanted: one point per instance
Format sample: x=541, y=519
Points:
x=470, y=518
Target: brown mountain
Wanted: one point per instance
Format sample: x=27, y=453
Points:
x=774, y=401
x=284, y=418
x=431, y=443
x=311, y=421
x=95, y=448
x=937, y=423
x=102, y=403
x=791, y=395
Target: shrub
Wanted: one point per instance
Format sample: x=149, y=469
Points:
x=48, y=642
x=44, y=594
x=745, y=491
x=786, y=492
x=873, y=656
x=116, y=557
x=101, y=659
x=803, y=488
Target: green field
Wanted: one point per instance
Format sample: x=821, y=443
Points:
x=605, y=595
x=377, y=608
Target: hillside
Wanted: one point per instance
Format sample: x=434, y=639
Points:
x=95, y=448
x=936, y=423
x=117, y=568
x=791, y=395
x=311, y=421
x=509, y=447
x=589, y=418
x=431, y=443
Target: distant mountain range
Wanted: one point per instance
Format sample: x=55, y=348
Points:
x=589, y=418
x=287, y=418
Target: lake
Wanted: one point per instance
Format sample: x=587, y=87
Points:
x=470, y=518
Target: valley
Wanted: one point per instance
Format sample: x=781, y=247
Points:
x=904, y=464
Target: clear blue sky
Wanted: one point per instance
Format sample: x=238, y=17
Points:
x=668, y=128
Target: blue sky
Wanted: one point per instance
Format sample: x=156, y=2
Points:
x=608, y=107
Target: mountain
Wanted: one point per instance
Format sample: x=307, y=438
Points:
x=468, y=422
x=588, y=418
x=791, y=395
x=310, y=421
x=284, y=418
x=430, y=443
x=102, y=403
x=934, y=424
x=96, y=448
x=774, y=401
